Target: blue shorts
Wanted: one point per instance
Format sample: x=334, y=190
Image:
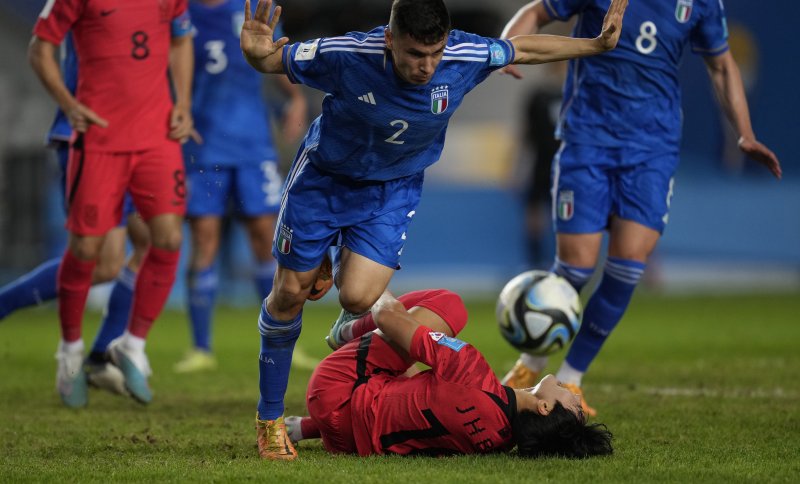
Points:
x=62, y=153
x=591, y=183
x=319, y=210
x=252, y=190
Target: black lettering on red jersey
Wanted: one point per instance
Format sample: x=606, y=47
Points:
x=436, y=429
x=474, y=424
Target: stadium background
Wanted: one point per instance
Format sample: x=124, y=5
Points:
x=731, y=225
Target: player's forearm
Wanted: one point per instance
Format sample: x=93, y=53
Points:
x=728, y=86
x=271, y=64
x=526, y=21
x=42, y=57
x=181, y=66
x=394, y=321
x=539, y=49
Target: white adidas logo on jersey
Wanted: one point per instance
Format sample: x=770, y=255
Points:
x=368, y=98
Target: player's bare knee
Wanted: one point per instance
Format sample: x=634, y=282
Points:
x=169, y=239
x=355, y=303
x=106, y=270
x=87, y=248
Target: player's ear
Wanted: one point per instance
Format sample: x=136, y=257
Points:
x=543, y=408
x=387, y=36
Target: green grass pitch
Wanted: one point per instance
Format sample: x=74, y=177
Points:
x=695, y=389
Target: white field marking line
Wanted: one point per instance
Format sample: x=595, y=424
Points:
x=731, y=393
x=302, y=360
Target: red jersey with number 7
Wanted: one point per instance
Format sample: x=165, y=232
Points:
x=123, y=56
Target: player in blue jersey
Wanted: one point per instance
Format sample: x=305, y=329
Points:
x=357, y=178
x=621, y=126
x=235, y=166
x=39, y=285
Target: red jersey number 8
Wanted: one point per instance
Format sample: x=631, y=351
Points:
x=140, y=50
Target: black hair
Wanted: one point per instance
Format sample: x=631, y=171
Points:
x=426, y=21
x=560, y=433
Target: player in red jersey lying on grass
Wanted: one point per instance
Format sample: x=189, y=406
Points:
x=361, y=399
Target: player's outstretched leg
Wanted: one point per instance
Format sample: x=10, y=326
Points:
x=274, y=362
x=603, y=311
x=35, y=287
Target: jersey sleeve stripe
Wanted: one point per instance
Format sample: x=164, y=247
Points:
x=461, y=52
x=349, y=40
x=712, y=52
x=512, y=50
x=465, y=45
x=464, y=59
x=350, y=49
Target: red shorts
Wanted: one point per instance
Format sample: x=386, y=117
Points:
x=97, y=182
x=333, y=382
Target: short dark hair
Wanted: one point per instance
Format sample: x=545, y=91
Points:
x=426, y=21
x=561, y=433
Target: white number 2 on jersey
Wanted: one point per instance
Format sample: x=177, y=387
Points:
x=217, y=60
x=393, y=138
x=646, y=42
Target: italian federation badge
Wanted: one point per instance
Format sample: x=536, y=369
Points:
x=566, y=204
x=683, y=10
x=439, y=99
x=285, y=240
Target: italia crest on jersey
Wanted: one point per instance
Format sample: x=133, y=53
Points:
x=284, y=240
x=683, y=10
x=566, y=204
x=439, y=99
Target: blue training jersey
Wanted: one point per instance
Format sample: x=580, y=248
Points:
x=630, y=97
x=60, y=130
x=228, y=104
x=375, y=126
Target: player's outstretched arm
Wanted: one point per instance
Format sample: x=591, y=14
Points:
x=528, y=20
x=394, y=321
x=42, y=57
x=538, y=49
x=256, y=39
x=727, y=82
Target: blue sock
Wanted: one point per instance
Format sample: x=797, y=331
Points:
x=275, y=361
x=33, y=288
x=604, y=310
x=263, y=276
x=576, y=276
x=203, y=286
x=115, y=319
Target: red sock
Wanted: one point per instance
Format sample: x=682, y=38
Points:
x=74, y=281
x=309, y=429
x=153, y=286
x=447, y=304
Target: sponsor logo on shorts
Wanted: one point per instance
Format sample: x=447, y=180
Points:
x=285, y=240
x=566, y=204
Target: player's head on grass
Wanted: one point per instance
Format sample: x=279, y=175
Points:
x=550, y=422
x=416, y=37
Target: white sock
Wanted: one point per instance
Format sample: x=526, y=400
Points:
x=133, y=343
x=533, y=363
x=71, y=347
x=568, y=374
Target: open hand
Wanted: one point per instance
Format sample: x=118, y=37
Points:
x=612, y=24
x=761, y=154
x=257, y=32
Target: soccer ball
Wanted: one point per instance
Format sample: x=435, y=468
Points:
x=538, y=312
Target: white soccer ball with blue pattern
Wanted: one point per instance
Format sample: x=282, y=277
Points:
x=538, y=312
